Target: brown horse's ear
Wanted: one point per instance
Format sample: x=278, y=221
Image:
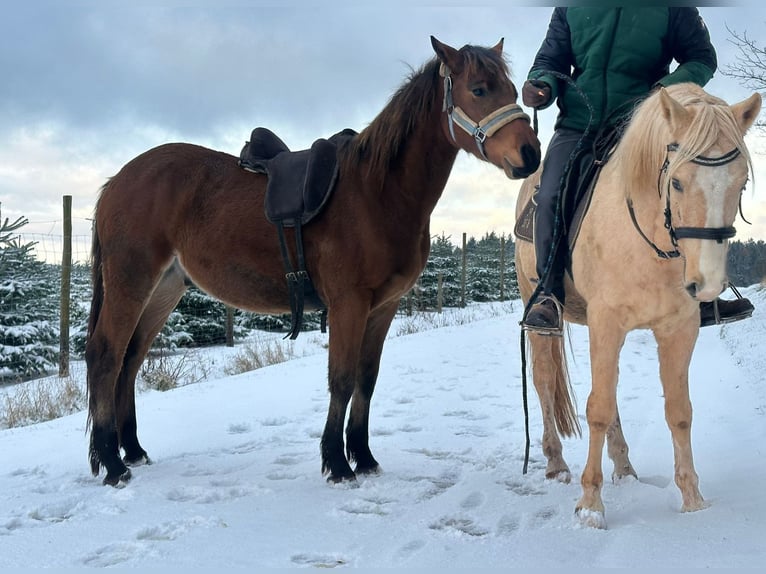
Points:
x=448, y=55
x=746, y=111
x=673, y=112
x=499, y=47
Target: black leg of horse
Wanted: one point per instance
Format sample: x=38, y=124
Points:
x=357, y=431
x=104, y=443
x=347, y=320
x=164, y=299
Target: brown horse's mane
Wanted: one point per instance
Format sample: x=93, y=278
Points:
x=644, y=144
x=382, y=141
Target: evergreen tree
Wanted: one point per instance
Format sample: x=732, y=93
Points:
x=443, y=261
x=28, y=308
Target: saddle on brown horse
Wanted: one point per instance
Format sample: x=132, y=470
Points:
x=299, y=185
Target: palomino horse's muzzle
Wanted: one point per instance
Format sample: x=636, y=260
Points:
x=487, y=126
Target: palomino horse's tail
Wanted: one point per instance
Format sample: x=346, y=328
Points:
x=565, y=412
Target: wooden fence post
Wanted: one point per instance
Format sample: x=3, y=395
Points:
x=439, y=292
x=462, y=279
x=502, y=267
x=229, y=326
x=66, y=287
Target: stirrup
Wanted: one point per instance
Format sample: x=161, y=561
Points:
x=554, y=331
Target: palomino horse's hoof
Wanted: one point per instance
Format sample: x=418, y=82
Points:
x=563, y=476
x=591, y=518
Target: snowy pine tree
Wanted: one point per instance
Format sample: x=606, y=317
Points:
x=28, y=308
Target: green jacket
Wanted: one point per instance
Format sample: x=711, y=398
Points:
x=618, y=55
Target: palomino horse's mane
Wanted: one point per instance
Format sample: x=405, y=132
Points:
x=383, y=139
x=644, y=146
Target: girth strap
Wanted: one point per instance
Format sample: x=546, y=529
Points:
x=298, y=281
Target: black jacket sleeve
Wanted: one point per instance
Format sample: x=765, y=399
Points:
x=554, y=54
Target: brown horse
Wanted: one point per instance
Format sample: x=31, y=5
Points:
x=180, y=212
x=652, y=245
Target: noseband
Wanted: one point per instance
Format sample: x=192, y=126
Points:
x=717, y=234
x=487, y=126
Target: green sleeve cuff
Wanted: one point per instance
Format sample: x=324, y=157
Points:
x=695, y=72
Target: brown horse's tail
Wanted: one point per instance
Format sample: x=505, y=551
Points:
x=565, y=412
x=96, y=303
x=96, y=281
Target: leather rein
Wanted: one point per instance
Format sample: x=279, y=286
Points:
x=717, y=234
x=487, y=126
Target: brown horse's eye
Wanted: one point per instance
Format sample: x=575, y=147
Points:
x=479, y=92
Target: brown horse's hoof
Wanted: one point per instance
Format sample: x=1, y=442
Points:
x=138, y=461
x=118, y=480
x=368, y=470
x=338, y=479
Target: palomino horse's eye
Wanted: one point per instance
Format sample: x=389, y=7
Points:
x=676, y=185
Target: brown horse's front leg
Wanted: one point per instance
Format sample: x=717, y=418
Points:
x=347, y=320
x=357, y=431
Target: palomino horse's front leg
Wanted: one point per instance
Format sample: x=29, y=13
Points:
x=606, y=341
x=675, y=352
x=346, y=320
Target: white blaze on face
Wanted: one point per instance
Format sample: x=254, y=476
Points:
x=714, y=183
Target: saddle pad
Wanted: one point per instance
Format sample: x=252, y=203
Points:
x=525, y=224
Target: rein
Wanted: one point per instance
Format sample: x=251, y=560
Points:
x=487, y=126
x=717, y=234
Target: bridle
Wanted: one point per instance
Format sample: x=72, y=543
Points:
x=487, y=126
x=717, y=234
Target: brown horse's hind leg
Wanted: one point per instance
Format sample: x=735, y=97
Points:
x=124, y=297
x=164, y=299
x=104, y=355
x=357, y=431
x=347, y=320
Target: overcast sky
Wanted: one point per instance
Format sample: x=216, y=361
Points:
x=85, y=86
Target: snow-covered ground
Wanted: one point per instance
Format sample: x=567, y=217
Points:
x=236, y=476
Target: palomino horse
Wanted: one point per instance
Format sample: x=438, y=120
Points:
x=652, y=245
x=181, y=211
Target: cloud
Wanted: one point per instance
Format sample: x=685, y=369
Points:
x=87, y=85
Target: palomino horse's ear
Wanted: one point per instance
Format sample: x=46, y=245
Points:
x=673, y=112
x=746, y=111
x=448, y=55
x=499, y=47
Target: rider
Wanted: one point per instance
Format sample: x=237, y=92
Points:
x=615, y=56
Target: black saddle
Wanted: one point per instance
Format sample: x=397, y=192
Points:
x=300, y=182
x=299, y=185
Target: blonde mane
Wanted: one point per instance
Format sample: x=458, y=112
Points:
x=643, y=148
